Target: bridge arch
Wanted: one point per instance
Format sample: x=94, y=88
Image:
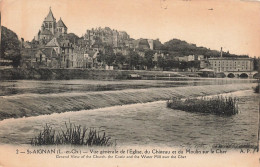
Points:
x=231, y=75
x=243, y=75
x=255, y=75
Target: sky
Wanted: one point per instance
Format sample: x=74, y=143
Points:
x=231, y=24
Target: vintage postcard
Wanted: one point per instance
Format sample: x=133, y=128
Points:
x=123, y=83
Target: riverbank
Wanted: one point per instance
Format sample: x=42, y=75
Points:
x=67, y=74
x=26, y=105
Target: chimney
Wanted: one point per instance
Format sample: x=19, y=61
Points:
x=22, y=43
x=221, y=52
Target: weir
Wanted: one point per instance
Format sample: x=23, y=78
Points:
x=169, y=127
x=37, y=104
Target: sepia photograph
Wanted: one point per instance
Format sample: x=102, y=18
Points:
x=122, y=83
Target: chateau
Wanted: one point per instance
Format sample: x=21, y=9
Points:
x=50, y=28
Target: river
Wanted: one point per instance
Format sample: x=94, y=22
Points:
x=149, y=123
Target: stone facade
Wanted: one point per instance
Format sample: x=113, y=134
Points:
x=107, y=36
x=224, y=64
x=50, y=28
x=45, y=58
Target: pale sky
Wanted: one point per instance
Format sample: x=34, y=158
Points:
x=232, y=24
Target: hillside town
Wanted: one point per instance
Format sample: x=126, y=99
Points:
x=105, y=48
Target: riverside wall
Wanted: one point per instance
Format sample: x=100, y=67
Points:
x=66, y=74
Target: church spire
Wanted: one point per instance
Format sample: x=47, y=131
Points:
x=50, y=16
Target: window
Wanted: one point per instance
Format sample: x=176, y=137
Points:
x=46, y=25
x=50, y=25
x=40, y=57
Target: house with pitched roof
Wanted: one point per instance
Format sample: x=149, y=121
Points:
x=90, y=59
x=65, y=51
x=45, y=58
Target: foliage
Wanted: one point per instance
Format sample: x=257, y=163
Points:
x=110, y=55
x=183, y=48
x=162, y=63
x=107, y=56
x=148, y=59
x=10, y=46
x=120, y=58
x=256, y=63
x=216, y=105
x=133, y=59
x=73, y=134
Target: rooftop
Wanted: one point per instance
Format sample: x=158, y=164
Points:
x=60, y=23
x=50, y=16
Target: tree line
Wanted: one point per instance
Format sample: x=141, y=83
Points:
x=135, y=61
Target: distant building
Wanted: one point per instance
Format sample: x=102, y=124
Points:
x=45, y=58
x=183, y=58
x=144, y=44
x=90, y=59
x=50, y=28
x=150, y=42
x=191, y=58
x=107, y=36
x=204, y=64
x=157, y=55
x=226, y=64
x=65, y=51
x=200, y=57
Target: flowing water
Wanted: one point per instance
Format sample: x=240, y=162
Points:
x=149, y=123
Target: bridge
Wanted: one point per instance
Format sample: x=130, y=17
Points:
x=242, y=74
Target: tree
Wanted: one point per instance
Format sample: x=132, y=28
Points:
x=120, y=58
x=256, y=63
x=10, y=46
x=133, y=59
x=161, y=62
x=170, y=63
x=109, y=55
x=101, y=57
x=148, y=56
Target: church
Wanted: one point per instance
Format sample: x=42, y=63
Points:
x=50, y=28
